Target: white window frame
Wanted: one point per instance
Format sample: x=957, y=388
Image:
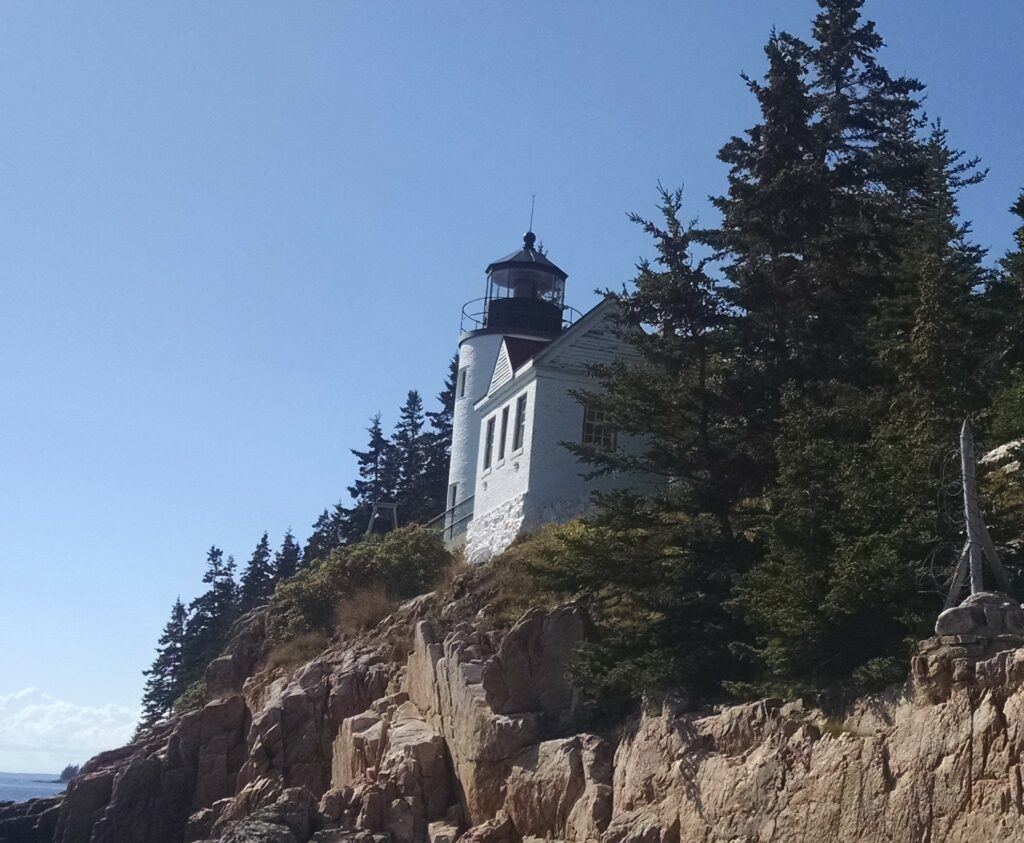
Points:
x=488, y=449
x=503, y=434
x=597, y=431
x=519, y=425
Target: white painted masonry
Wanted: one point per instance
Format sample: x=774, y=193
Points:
x=542, y=481
x=477, y=353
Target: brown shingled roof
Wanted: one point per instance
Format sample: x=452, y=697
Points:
x=520, y=350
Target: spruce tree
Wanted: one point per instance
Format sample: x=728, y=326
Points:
x=288, y=559
x=258, y=578
x=410, y=450
x=326, y=535
x=853, y=516
x=377, y=480
x=438, y=446
x=211, y=615
x=1003, y=320
x=165, y=678
x=655, y=572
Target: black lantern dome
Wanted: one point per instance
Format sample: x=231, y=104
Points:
x=525, y=292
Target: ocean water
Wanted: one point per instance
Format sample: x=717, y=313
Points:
x=17, y=787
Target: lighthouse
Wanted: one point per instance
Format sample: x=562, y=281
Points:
x=525, y=300
x=524, y=358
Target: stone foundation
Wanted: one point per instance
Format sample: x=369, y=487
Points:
x=490, y=533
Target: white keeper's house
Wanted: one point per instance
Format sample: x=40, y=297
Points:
x=522, y=353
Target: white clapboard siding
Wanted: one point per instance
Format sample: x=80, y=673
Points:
x=598, y=345
x=502, y=370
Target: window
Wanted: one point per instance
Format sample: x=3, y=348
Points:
x=489, y=443
x=596, y=429
x=519, y=432
x=462, y=383
x=503, y=434
x=453, y=492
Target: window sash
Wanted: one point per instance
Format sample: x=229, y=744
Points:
x=597, y=431
x=503, y=434
x=520, y=429
x=489, y=443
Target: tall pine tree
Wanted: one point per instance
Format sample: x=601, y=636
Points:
x=410, y=445
x=258, y=578
x=211, y=615
x=165, y=679
x=438, y=446
x=377, y=481
x=861, y=425
x=656, y=572
x=288, y=559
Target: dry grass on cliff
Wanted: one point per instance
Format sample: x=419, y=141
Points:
x=362, y=610
x=296, y=651
x=512, y=583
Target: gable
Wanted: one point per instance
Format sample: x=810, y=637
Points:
x=502, y=373
x=590, y=341
x=514, y=352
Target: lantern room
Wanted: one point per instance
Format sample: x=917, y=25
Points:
x=525, y=292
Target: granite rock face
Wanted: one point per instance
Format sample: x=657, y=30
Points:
x=432, y=730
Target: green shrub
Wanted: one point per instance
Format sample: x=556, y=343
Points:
x=404, y=563
x=192, y=698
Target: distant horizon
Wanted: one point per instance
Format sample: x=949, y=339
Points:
x=234, y=233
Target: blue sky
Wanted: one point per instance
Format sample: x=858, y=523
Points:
x=230, y=232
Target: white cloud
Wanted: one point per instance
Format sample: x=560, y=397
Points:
x=40, y=734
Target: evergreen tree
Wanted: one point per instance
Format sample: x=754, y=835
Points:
x=439, y=445
x=655, y=572
x=258, y=578
x=288, y=559
x=1002, y=319
x=781, y=421
x=853, y=515
x=377, y=481
x=326, y=535
x=165, y=678
x=211, y=615
x=410, y=445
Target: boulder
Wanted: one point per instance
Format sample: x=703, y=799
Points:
x=444, y=681
x=227, y=673
x=442, y=831
x=288, y=820
x=403, y=757
x=561, y=788
x=986, y=614
x=528, y=672
x=33, y=821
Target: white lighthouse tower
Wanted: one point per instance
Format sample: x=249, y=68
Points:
x=524, y=300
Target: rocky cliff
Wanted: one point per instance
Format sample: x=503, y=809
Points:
x=434, y=727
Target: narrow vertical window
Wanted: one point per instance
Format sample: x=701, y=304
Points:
x=489, y=443
x=503, y=434
x=453, y=492
x=596, y=429
x=519, y=432
x=462, y=383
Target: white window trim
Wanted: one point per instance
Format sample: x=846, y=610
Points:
x=515, y=426
x=486, y=451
